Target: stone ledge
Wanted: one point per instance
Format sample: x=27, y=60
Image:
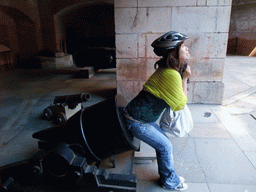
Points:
x=124, y=163
x=56, y=62
x=146, y=154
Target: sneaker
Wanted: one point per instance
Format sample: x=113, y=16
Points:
x=182, y=180
x=181, y=187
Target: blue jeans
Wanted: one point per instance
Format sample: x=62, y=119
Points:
x=154, y=136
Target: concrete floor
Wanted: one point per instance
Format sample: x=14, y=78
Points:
x=219, y=155
x=24, y=96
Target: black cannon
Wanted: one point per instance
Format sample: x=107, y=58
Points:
x=98, y=57
x=69, y=154
x=99, y=130
x=65, y=106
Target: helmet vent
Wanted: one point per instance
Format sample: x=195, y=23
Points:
x=169, y=37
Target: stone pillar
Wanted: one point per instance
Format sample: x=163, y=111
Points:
x=139, y=22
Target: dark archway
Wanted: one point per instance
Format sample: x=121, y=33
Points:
x=26, y=35
x=242, y=31
x=90, y=35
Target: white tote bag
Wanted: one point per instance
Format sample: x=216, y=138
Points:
x=178, y=123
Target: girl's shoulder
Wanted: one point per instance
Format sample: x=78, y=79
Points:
x=165, y=73
x=170, y=71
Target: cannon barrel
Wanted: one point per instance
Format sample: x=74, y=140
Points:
x=72, y=100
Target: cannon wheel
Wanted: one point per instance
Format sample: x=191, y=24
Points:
x=61, y=118
x=48, y=114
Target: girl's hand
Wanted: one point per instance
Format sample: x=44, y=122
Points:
x=187, y=73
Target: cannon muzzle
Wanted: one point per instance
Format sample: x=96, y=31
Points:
x=72, y=100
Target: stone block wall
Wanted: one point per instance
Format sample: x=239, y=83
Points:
x=139, y=22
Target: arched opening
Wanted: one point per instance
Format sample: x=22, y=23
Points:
x=90, y=35
x=242, y=31
x=20, y=37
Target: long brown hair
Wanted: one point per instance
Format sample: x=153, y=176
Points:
x=170, y=59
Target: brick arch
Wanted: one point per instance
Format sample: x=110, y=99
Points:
x=67, y=6
x=51, y=13
x=16, y=14
x=22, y=34
x=87, y=24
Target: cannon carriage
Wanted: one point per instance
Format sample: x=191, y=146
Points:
x=64, y=107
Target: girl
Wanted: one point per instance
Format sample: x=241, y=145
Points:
x=166, y=88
